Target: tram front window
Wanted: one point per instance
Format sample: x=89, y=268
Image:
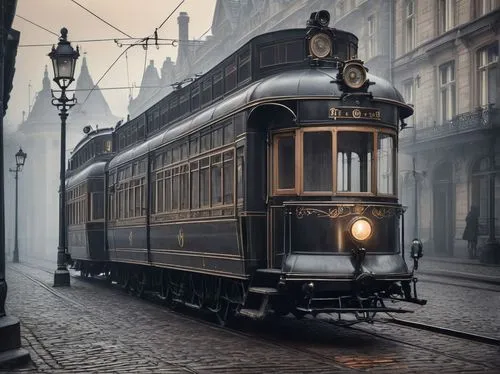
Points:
x=286, y=162
x=317, y=148
x=385, y=164
x=354, y=161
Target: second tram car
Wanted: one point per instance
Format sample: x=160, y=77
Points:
x=267, y=184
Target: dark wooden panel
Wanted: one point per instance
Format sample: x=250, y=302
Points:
x=199, y=262
x=203, y=236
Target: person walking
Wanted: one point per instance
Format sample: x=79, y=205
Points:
x=471, y=230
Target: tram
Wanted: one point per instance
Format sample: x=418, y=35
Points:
x=267, y=185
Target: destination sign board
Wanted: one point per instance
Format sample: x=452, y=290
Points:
x=354, y=113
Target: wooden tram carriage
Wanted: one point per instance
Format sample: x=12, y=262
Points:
x=268, y=184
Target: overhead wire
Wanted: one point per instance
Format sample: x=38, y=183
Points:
x=130, y=46
x=37, y=25
x=103, y=20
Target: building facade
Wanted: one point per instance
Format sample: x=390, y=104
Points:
x=446, y=65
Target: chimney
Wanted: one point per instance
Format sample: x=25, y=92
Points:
x=183, y=21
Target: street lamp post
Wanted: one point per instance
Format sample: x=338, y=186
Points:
x=63, y=60
x=20, y=159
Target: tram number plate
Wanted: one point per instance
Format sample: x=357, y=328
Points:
x=354, y=113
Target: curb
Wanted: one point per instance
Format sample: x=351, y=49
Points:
x=466, y=276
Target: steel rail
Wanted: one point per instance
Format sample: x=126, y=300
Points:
x=446, y=331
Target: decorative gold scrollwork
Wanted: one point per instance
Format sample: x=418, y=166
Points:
x=336, y=212
x=383, y=212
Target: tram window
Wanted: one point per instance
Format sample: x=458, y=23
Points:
x=244, y=66
x=156, y=118
x=354, y=161
x=217, y=137
x=107, y=146
x=176, y=188
x=184, y=150
x=317, y=161
x=239, y=124
x=176, y=153
x=140, y=128
x=195, y=98
x=240, y=172
x=204, y=182
x=216, y=173
x=195, y=185
x=229, y=133
x=163, y=113
x=286, y=162
x=294, y=51
x=138, y=198
x=385, y=164
x=228, y=177
x=184, y=187
x=194, y=146
x=206, y=95
x=205, y=142
x=218, y=85
x=230, y=73
x=168, y=190
x=159, y=192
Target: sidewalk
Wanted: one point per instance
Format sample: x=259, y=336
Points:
x=459, y=268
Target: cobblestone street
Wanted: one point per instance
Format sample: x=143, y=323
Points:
x=93, y=327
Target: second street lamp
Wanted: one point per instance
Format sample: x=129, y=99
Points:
x=20, y=159
x=63, y=60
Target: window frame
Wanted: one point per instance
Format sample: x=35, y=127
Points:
x=298, y=189
x=448, y=87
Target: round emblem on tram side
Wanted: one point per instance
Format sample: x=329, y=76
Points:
x=356, y=113
x=180, y=238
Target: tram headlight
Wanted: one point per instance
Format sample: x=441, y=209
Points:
x=320, y=45
x=361, y=229
x=354, y=75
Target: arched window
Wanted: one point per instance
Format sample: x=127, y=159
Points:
x=480, y=191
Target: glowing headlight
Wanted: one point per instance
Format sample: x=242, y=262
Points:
x=361, y=229
x=354, y=74
x=320, y=45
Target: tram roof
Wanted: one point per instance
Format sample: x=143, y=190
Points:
x=93, y=170
x=287, y=85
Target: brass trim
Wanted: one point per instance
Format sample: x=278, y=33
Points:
x=251, y=214
x=195, y=221
x=190, y=253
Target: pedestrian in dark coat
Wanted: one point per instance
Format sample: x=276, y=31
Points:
x=471, y=230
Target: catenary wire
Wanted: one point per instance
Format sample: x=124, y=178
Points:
x=37, y=25
x=95, y=15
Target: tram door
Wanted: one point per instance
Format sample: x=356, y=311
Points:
x=281, y=189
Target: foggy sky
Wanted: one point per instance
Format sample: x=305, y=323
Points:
x=136, y=18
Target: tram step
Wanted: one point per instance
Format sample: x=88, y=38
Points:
x=264, y=290
x=194, y=306
x=269, y=271
x=252, y=313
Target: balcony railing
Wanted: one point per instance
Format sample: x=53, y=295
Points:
x=480, y=119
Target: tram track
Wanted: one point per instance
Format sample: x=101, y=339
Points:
x=186, y=313
x=446, y=331
x=180, y=312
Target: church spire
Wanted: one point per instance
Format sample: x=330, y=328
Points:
x=46, y=80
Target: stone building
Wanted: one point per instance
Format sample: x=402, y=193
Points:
x=443, y=57
x=40, y=136
x=446, y=65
